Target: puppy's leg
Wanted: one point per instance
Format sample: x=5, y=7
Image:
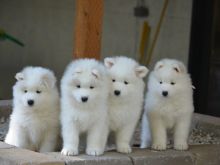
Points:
x=158, y=130
x=123, y=138
x=70, y=134
x=50, y=141
x=181, y=132
x=96, y=139
x=18, y=137
x=145, y=132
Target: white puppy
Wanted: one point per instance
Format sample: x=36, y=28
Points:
x=34, y=121
x=84, y=93
x=169, y=103
x=126, y=98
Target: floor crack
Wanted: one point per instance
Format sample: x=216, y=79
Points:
x=132, y=160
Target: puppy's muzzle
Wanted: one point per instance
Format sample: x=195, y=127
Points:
x=30, y=102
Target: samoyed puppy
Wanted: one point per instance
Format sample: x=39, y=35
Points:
x=126, y=98
x=169, y=104
x=34, y=122
x=84, y=93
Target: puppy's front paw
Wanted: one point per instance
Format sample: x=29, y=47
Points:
x=124, y=149
x=94, y=151
x=181, y=146
x=159, y=146
x=69, y=152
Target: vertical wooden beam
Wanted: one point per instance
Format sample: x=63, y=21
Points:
x=88, y=29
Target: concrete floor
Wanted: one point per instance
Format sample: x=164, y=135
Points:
x=197, y=155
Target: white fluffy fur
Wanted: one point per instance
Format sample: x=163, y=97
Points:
x=125, y=108
x=35, y=127
x=145, y=131
x=90, y=116
x=172, y=111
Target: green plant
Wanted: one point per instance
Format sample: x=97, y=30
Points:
x=5, y=36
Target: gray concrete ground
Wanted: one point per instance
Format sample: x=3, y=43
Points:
x=196, y=155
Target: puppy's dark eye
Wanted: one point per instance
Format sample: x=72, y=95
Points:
x=38, y=91
x=113, y=80
x=161, y=82
x=125, y=82
x=172, y=83
x=78, y=86
x=25, y=91
x=91, y=87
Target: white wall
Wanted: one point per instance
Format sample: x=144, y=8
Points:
x=46, y=28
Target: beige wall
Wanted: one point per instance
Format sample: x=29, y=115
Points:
x=46, y=28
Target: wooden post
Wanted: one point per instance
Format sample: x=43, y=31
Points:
x=88, y=29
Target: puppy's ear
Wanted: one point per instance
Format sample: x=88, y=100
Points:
x=141, y=71
x=179, y=67
x=19, y=76
x=158, y=65
x=109, y=62
x=95, y=73
x=48, y=80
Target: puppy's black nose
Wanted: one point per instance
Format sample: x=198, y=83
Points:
x=30, y=102
x=165, y=93
x=84, y=99
x=117, y=92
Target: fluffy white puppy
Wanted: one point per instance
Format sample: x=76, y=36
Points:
x=34, y=121
x=126, y=98
x=169, y=103
x=84, y=93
